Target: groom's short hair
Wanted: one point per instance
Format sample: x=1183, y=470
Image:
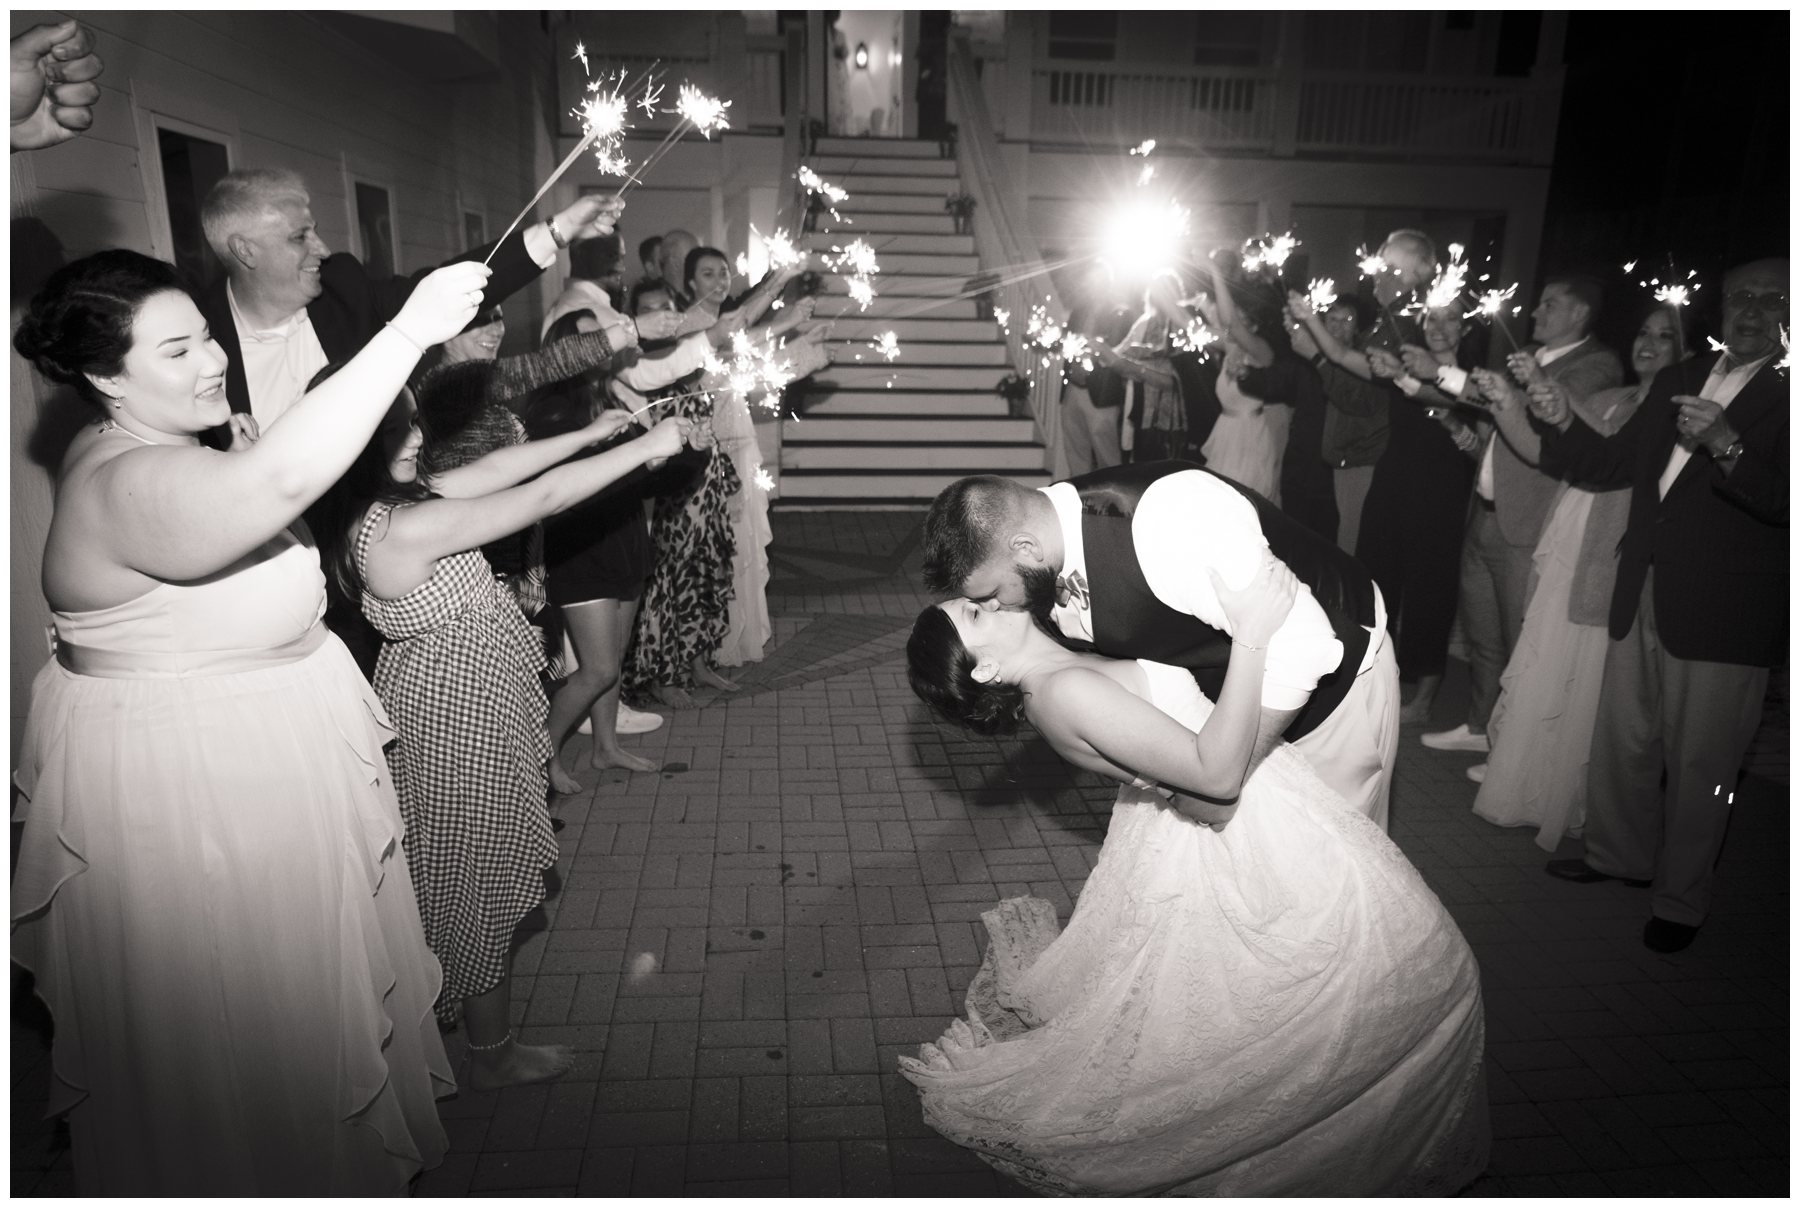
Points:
x=965, y=520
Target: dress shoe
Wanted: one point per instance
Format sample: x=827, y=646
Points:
x=1476, y=772
x=637, y=721
x=1662, y=935
x=1579, y=872
x=1459, y=739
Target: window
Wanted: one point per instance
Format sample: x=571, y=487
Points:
x=375, y=223
x=1226, y=39
x=191, y=165
x=1084, y=35
x=1367, y=41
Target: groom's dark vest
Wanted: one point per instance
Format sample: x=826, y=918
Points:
x=1130, y=622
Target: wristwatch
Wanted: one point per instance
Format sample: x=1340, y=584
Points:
x=1732, y=452
x=556, y=236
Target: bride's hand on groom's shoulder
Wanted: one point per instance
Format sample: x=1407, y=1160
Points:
x=1258, y=609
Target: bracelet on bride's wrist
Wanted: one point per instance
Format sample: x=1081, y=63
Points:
x=1247, y=645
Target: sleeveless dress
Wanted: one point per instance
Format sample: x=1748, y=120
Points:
x=1279, y=1008
x=212, y=895
x=458, y=671
x=1247, y=442
x=747, y=623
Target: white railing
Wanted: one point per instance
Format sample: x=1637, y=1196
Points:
x=1466, y=117
x=1119, y=106
x=1312, y=112
x=1007, y=248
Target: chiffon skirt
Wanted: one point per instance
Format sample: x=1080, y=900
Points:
x=212, y=894
x=747, y=630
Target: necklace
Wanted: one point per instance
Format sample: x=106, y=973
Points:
x=107, y=425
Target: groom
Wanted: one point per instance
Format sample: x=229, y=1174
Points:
x=1120, y=558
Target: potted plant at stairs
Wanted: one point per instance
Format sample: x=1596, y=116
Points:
x=962, y=209
x=1015, y=388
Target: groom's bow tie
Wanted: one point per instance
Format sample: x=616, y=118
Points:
x=1072, y=588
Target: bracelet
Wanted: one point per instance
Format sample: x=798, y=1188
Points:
x=555, y=235
x=401, y=332
x=1247, y=645
x=498, y=1044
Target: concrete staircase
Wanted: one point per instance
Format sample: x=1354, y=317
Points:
x=880, y=434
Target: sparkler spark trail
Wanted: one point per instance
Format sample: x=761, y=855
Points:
x=1268, y=251
x=764, y=480
x=1629, y=265
x=1321, y=293
x=856, y=262
x=1489, y=304
x=704, y=113
x=1672, y=295
x=1194, y=337
x=1145, y=147
x=1371, y=263
x=1447, y=287
x=1782, y=365
x=816, y=186
x=887, y=344
x=581, y=53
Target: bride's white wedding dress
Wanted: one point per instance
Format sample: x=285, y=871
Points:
x=1279, y=1008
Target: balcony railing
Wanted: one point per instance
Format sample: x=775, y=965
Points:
x=1313, y=113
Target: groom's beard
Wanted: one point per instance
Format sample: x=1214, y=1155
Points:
x=1040, y=592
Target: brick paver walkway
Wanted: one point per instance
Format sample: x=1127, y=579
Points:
x=744, y=943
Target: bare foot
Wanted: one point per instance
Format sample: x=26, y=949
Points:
x=712, y=679
x=515, y=1064
x=673, y=697
x=601, y=760
x=561, y=781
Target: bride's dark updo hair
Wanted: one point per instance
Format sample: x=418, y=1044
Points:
x=80, y=322
x=941, y=670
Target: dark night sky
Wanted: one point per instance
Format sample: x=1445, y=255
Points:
x=1673, y=142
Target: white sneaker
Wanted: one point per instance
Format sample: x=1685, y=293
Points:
x=1477, y=773
x=636, y=721
x=1459, y=739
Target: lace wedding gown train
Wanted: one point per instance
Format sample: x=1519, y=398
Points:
x=1279, y=1008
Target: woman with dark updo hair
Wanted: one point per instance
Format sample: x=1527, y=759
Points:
x=1256, y=994
x=210, y=886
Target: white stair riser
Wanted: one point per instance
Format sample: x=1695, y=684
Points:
x=824, y=429
x=907, y=377
x=890, y=243
x=918, y=352
x=909, y=184
x=869, y=225
x=832, y=167
x=874, y=204
x=863, y=404
x=960, y=330
x=909, y=263
x=911, y=457
x=885, y=306
x=904, y=285
x=913, y=490
x=882, y=148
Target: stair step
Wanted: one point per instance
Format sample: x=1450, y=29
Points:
x=905, y=429
x=867, y=403
x=901, y=305
x=922, y=352
x=918, y=286
x=833, y=166
x=890, y=242
x=915, y=263
x=876, y=487
x=869, y=223
x=879, y=148
x=876, y=376
x=903, y=457
x=871, y=204
x=865, y=184
x=969, y=331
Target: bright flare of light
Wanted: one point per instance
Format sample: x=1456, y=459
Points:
x=1194, y=337
x=1672, y=295
x=861, y=292
x=812, y=183
x=1321, y=293
x=1371, y=263
x=1145, y=147
x=1001, y=317
x=856, y=262
x=1145, y=175
x=704, y=113
x=1075, y=349
x=581, y=53
x=1629, y=265
x=764, y=480
x=1143, y=238
x=887, y=344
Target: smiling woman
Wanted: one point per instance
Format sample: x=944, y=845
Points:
x=209, y=877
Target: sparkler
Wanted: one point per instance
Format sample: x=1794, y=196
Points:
x=1489, y=304
x=581, y=53
x=856, y=262
x=816, y=186
x=887, y=344
x=764, y=480
x=1268, y=252
x=1446, y=288
x=1371, y=263
x=695, y=110
x=1782, y=365
x=1194, y=337
x=1321, y=294
x=1145, y=147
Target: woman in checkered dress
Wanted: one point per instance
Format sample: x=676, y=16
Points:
x=458, y=673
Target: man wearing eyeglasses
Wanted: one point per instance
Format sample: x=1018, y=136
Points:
x=1699, y=607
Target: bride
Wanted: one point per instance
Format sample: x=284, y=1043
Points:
x=1256, y=993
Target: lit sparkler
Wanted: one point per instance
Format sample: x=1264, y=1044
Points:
x=1489, y=304
x=1629, y=265
x=1268, y=251
x=1145, y=147
x=581, y=53
x=887, y=344
x=1715, y=345
x=1447, y=287
x=1371, y=263
x=856, y=262
x=764, y=480
x=1321, y=294
x=704, y=113
x=1194, y=337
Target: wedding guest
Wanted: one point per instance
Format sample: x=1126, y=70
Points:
x=650, y=260
x=1699, y=607
x=1092, y=398
x=1303, y=479
x=1543, y=724
x=209, y=886
x=53, y=91
x=1355, y=429
x=459, y=675
x=1418, y=504
x=1513, y=498
x=671, y=259
x=1153, y=424
x=1249, y=438
x=1265, y=1003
